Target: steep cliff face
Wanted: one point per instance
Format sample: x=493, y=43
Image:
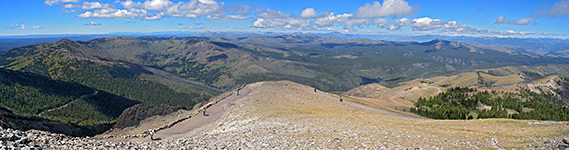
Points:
x=133, y=115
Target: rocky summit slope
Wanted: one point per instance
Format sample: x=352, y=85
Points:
x=287, y=115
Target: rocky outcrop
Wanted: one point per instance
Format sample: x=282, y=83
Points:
x=133, y=115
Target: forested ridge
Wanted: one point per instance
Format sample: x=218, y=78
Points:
x=469, y=103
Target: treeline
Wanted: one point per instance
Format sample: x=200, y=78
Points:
x=466, y=103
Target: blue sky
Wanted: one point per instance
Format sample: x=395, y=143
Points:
x=502, y=18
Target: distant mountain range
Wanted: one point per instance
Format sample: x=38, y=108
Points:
x=554, y=47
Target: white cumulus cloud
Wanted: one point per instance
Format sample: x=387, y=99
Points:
x=158, y=9
x=356, y=23
x=479, y=10
x=153, y=17
x=93, y=23
x=227, y=17
x=113, y=13
x=19, y=26
x=519, y=21
x=69, y=10
x=308, y=13
x=23, y=26
x=426, y=23
x=67, y=6
x=192, y=9
x=390, y=8
x=128, y=4
x=276, y=19
x=399, y=23
x=330, y=18
x=511, y=32
x=156, y=4
x=94, y=5
x=240, y=9
x=430, y=25
x=54, y=2
x=233, y=12
x=558, y=9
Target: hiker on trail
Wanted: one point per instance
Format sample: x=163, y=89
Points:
x=341, y=99
x=151, y=132
x=203, y=112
